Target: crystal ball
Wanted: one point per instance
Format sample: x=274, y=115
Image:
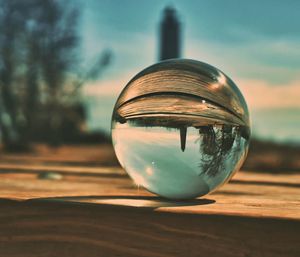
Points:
x=180, y=128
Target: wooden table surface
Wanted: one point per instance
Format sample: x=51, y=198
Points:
x=73, y=202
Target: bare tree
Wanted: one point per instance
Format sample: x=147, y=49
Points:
x=39, y=69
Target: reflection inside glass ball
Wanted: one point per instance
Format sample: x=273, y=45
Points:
x=180, y=128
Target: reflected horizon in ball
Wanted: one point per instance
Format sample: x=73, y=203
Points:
x=180, y=128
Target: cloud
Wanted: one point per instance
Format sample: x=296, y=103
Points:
x=275, y=61
x=263, y=95
x=108, y=87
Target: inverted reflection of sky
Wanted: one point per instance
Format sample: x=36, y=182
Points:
x=153, y=157
x=157, y=134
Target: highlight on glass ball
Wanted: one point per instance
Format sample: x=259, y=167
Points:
x=180, y=128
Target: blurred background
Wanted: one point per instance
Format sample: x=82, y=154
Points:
x=64, y=63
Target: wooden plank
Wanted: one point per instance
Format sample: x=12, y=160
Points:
x=37, y=228
x=94, y=210
x=258, y=195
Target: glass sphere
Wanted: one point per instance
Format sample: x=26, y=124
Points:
x=180, y=128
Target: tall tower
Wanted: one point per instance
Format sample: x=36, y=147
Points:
x=170, y=48
x=169, y=35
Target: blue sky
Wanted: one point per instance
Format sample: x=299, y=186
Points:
x=256, y=43
x=250, y=33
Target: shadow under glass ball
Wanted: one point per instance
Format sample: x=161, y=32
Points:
x=180, y=128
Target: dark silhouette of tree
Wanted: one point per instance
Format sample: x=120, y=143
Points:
x=12, y=24
x=39, y=70
x=216, y=146
x=58, y=42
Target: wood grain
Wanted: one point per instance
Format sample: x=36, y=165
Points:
x=95, y=210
